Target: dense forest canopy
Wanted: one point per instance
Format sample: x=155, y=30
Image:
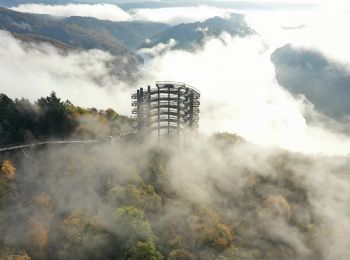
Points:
x=51, y=118
x=215, y=197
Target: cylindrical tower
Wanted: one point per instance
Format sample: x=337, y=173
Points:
x=169, y=109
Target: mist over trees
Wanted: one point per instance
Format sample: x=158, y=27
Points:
x=211, y=198
x=116, y=202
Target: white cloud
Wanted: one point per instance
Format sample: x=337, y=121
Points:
x=322, y=30
x=35, y=72
x=178, y=15
x=157, y=50
x=174, y=15
x=240, y=95
x=111, y=12
x=99, y=11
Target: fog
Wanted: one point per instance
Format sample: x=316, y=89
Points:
x=279, y=204
x=32, y=71
x=99, y=11
x=179, y=15
x=240, y=95
x=111, y=12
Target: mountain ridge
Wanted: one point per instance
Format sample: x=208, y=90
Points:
x=192, y=35
x=118, y=38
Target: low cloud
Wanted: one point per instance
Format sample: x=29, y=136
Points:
x=84, y=77
x=111, y=12
x=179, y=15
x=99, y=11
x=157, y=50
x=240, y=94
x=323, y=30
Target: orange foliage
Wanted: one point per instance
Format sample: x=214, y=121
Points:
x=44, y=201
x=278, y=205
x=75, y=219
x=181, y=254
x=211, y=230
x=22, y=255
x=39, y=233
x=7, y=170
x=39, y=224
x=217, y=236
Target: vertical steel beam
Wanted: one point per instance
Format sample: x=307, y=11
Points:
x=158, y=112
x=191, y=109
x=178, y=110
x=168, y=110
x=148, y=109
x=138, y=112
x=142, y=117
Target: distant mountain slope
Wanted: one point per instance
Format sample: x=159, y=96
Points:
x=190, y=35
x=82, y=32
x=35, y=39
x=131, y=34
x=323, y=82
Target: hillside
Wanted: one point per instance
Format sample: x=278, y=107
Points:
x=82, y=32
x=325, y=83
x=51, y=118
x=37, y=39
x=192, y=35
x=120, y=38
x=216, y=197
x=130, y=34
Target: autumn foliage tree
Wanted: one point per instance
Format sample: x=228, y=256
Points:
x=7, y=176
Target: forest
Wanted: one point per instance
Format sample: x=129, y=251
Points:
x=51, y=118
x=215, y=197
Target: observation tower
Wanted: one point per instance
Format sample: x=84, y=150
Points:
x=170, y=109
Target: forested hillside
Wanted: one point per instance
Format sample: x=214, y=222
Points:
x=190, y=36
x=210, y=198
x=51, y=118
x=118, y=38
x=320, y=79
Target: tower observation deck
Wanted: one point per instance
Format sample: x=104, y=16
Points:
x=169, y=109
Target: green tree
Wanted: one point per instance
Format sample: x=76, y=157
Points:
x=139, y=196
x=8, y=118
x=132, y=226
x=145, y=251
x=54, y=121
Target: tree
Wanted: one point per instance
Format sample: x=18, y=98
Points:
x=54, y=120
x=7, y=175
x=8, y=117
x=132, y=226
x=145, y=251
x=7, y=170
x=82, y=236
x=139, y=196
x=181, y=254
